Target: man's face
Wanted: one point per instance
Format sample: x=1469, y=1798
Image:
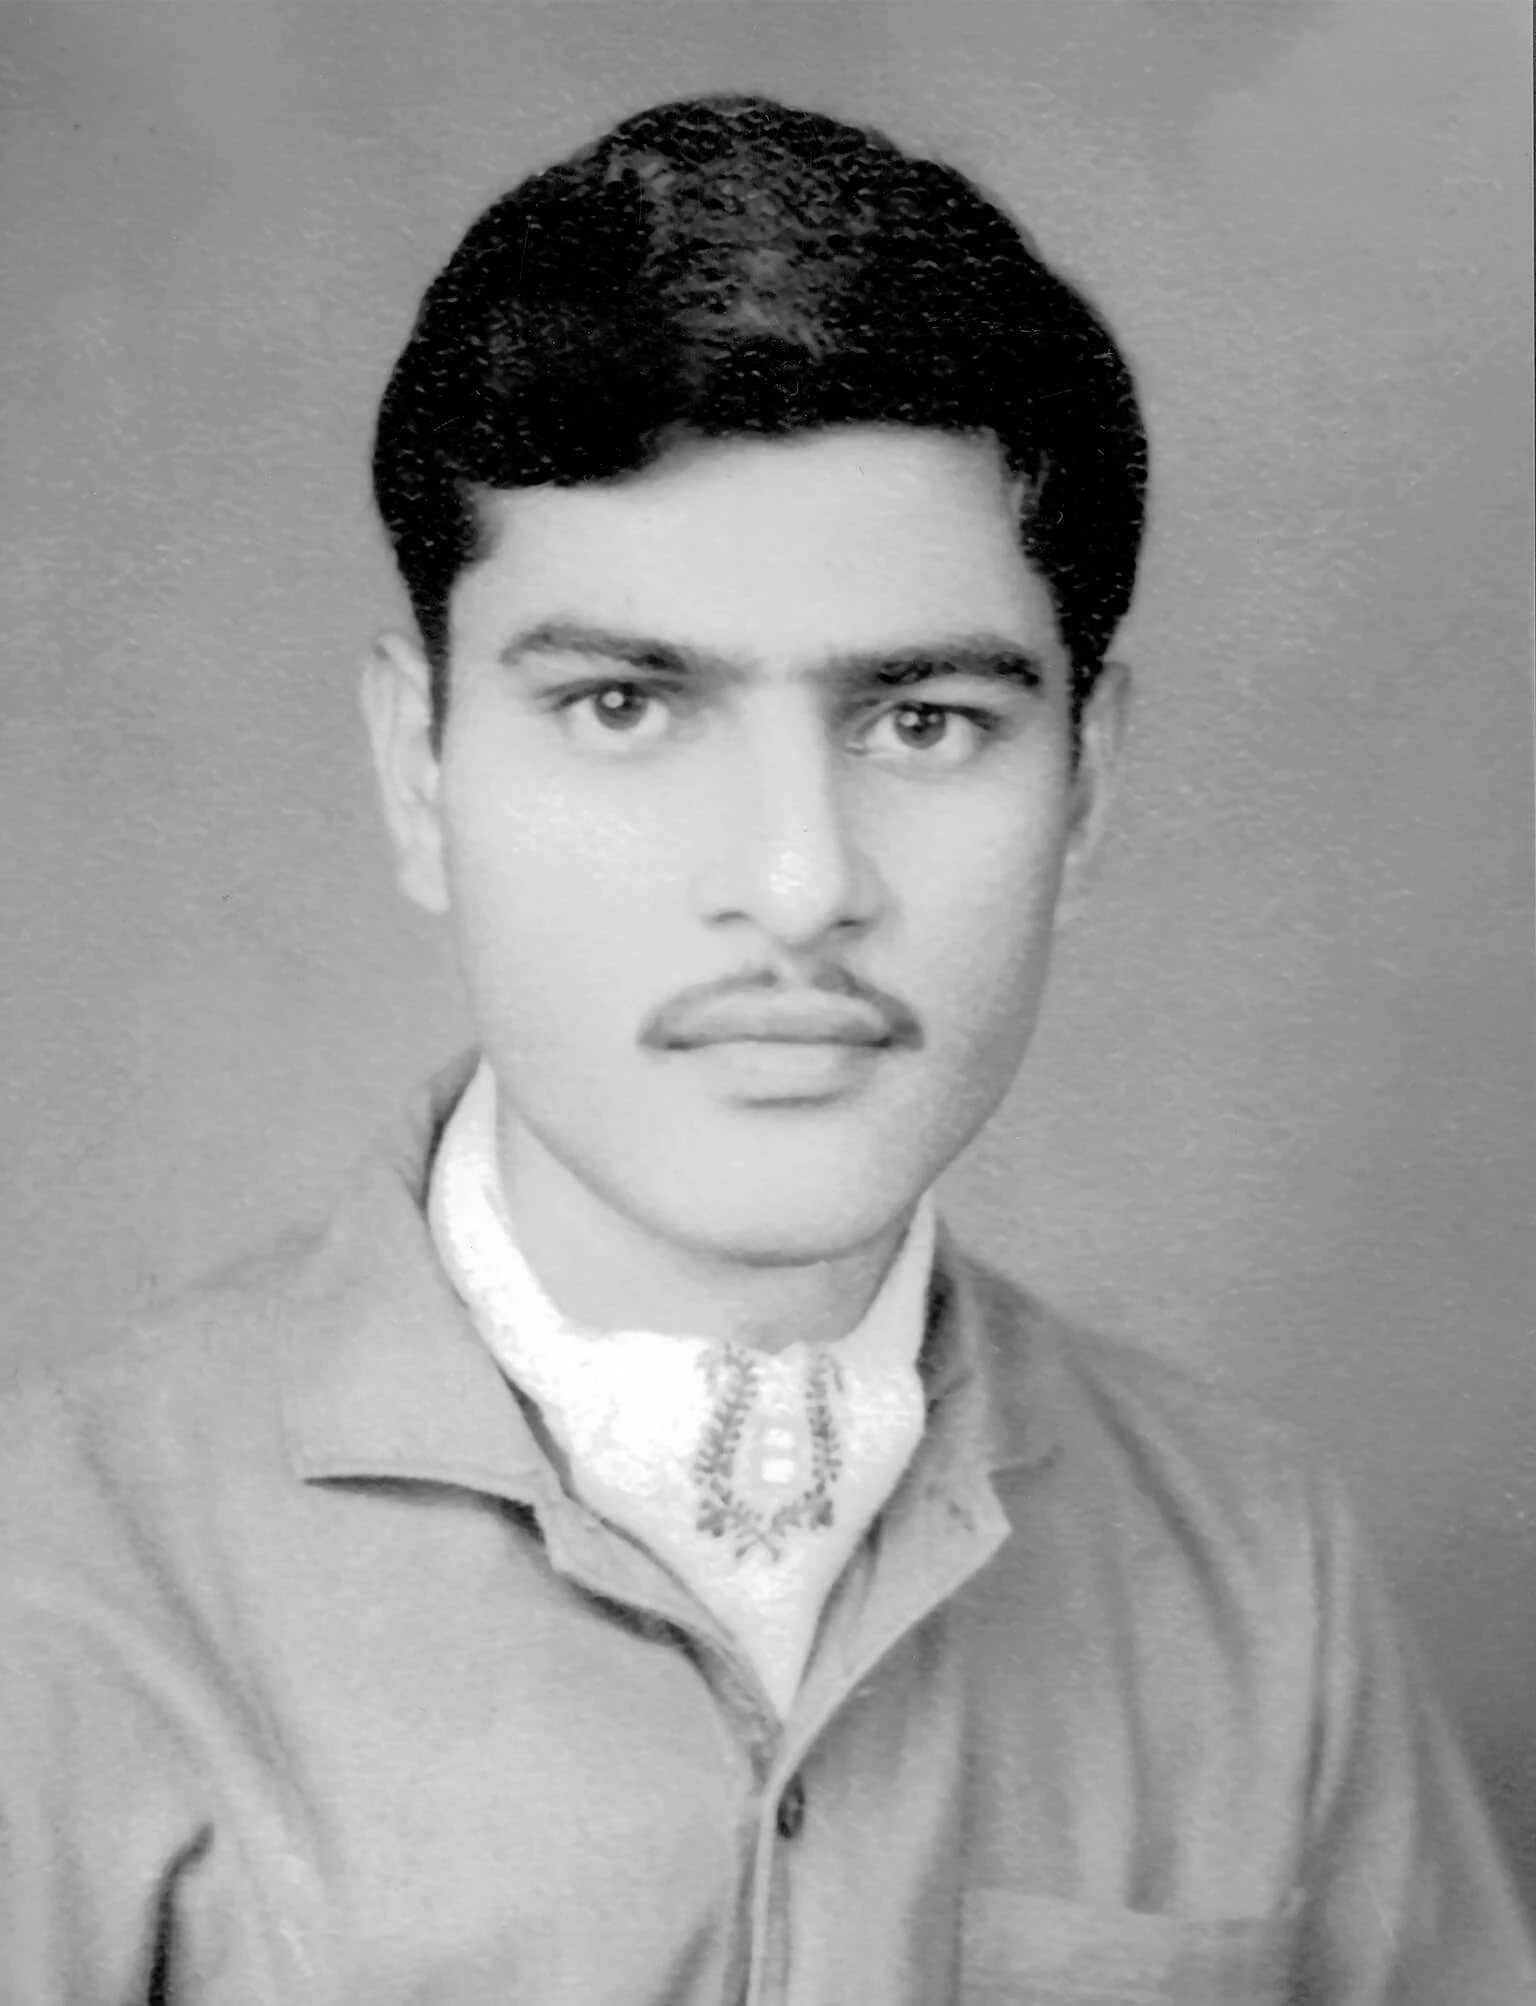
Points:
x=751, y=813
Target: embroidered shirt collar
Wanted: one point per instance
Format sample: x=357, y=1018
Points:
x=385, y=1375
x=752, y=1476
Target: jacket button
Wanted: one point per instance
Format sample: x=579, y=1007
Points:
x=791, y=1809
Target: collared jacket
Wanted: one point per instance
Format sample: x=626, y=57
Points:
x=317, y=1688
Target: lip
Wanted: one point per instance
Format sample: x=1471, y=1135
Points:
x=801, y=1020
x=789, y=1072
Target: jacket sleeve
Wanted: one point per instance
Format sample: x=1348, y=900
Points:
x=92, y=1818
x=1408, y=1901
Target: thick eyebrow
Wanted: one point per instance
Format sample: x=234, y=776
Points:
x=604, y=644
x=985, y=656
x=979, y=656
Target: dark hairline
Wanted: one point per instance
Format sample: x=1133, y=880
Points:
x=455, y=423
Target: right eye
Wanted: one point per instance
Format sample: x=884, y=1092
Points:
x=614, y=715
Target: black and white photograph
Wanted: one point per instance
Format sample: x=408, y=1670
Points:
x=767, y=1003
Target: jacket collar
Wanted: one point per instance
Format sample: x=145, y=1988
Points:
x=385, y=1376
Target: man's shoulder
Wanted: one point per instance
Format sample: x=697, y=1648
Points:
x=220, y=1334
x=1129, y=1424
x=193, y=1369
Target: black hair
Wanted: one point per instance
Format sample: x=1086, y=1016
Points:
x=729, y=266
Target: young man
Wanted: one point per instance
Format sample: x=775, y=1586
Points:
x=633, y=1555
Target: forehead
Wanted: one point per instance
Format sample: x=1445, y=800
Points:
x=784, y=548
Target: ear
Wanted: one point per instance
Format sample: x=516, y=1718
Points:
x=397, y=708
x=1101, y=738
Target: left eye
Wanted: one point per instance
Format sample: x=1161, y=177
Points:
x=620, y=706
x=604, y=712
x=939, y=734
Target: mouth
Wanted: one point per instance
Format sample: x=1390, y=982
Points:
x=809, y=1023
x=787, y=1070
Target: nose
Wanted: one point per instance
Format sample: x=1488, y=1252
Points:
x=784, y=855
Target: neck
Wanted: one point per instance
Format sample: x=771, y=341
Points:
x=607, y=1271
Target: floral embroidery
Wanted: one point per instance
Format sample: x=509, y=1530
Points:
x=734, y=1377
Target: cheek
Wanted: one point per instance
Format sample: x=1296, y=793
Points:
x=552, y=894
x=985, y=990
x=989, y=896
x=989, y=980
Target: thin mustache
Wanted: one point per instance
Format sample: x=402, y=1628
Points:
x=682, y=1017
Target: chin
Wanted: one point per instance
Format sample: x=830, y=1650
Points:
x=737, y=1219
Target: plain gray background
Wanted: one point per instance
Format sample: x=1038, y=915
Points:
x=1279, y=1118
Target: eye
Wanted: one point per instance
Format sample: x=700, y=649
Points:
x=606, y=716
x=932, y=735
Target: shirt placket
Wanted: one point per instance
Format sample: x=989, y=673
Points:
x=938, y=1534
x=942, y=1525
x=620, y=1574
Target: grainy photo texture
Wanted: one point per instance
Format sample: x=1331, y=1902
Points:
x=767, y=976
